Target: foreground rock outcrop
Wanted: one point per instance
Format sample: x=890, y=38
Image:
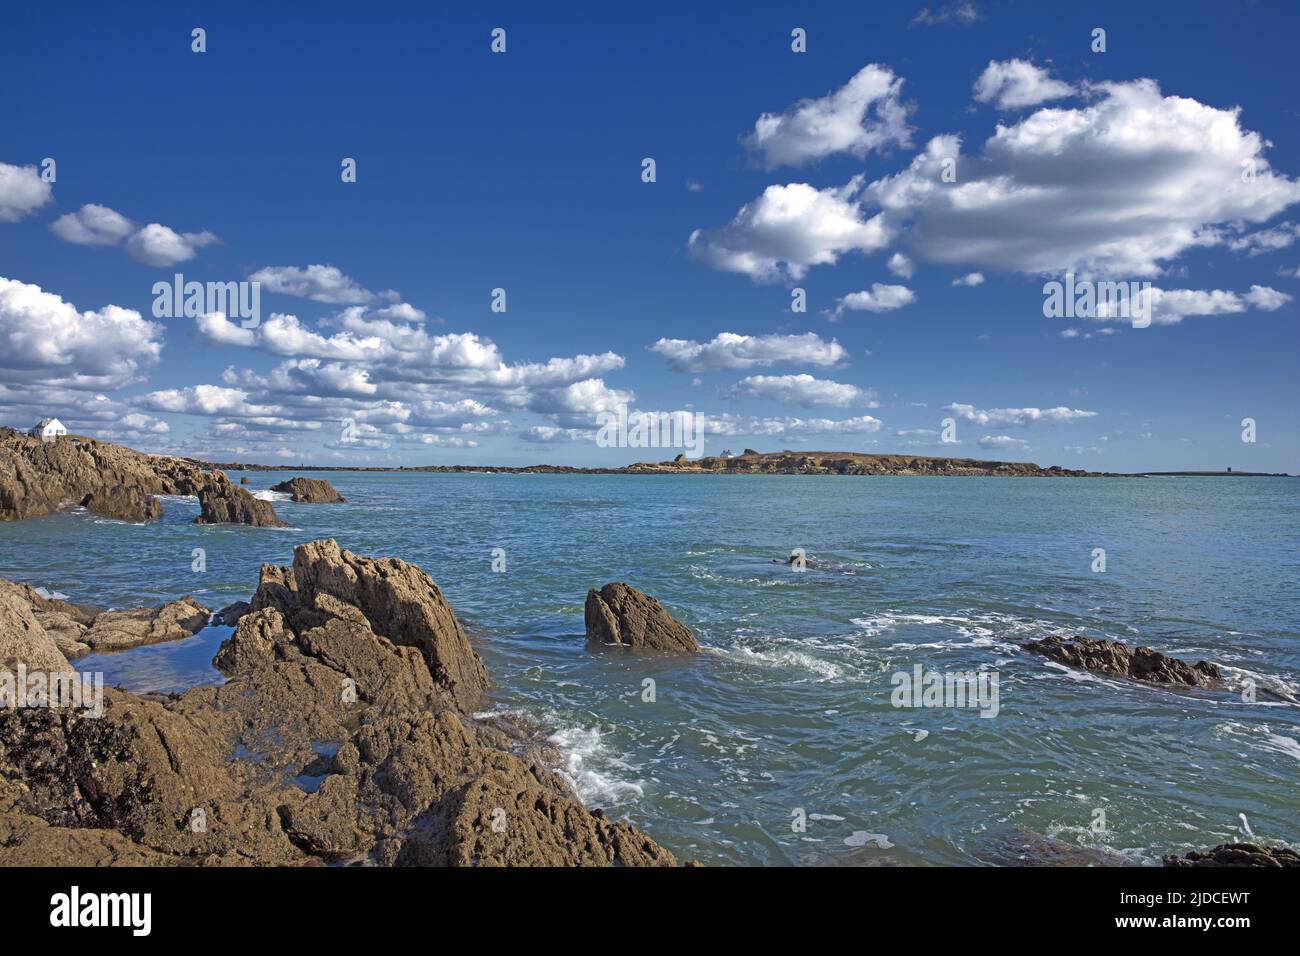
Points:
x=342, y=735
x=38, y=478
x=310, y=491
x=620, y=615
x=123, y=504
x=1237, y=854
x=1117, y=659
x=402, y=604
x=223, y=502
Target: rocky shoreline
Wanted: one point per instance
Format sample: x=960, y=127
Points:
x=346, y=729
x=344, y=734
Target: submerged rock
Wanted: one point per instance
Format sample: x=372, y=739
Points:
x=221, y=502
x=1117, y=659
x=618, y=614
x=123, y=504
x=311, y=491
x=349, y=690
x=120, y=630
x=1237, y=854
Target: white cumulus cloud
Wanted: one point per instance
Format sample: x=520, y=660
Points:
x=731, y=350
x=865, y=114
x=1014, y=84
x=880, y=298
x=21, y=191
x=45, y=340
x=802, y=390
x=788, y=230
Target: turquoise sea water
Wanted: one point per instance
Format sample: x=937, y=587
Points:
x=787, y=715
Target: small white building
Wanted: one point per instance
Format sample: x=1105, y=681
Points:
x=48, y=429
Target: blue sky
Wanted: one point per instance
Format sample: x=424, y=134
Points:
x=775, y=170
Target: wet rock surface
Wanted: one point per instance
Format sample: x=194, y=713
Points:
x=223, y=502
x=1117, y=659
x=1237, y=854
x=311, y=491
x=620, y=615
x=123, y=504
x=341, y=736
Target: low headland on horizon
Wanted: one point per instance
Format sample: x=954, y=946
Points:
x=749, y=462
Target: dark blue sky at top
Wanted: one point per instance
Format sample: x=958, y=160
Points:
x=523, y=171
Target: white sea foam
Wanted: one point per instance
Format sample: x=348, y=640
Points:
x=1264, y=683
x=272, y=496
x=863, y=838
x=973, y=629
x=786, y=658
x=599, y=776
x=1260, y=737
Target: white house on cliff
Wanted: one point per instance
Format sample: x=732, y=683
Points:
x=48, y=429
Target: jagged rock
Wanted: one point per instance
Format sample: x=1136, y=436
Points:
x=1237, y=854
x=619, y=614
x=346, y=670
x=22, y=638
x=221, y=502
x=123, y=504
x=119, y=630
x=277, y=588
x=310, y=491
x=38, y=478
x=402, y=604
x=229, y=615
x=394, y=678
x=1119, y=660
x=254, y=642
x=504, y=818
x=244, y=480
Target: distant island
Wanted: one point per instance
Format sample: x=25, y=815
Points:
x=40, y=475
x=784, y=462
